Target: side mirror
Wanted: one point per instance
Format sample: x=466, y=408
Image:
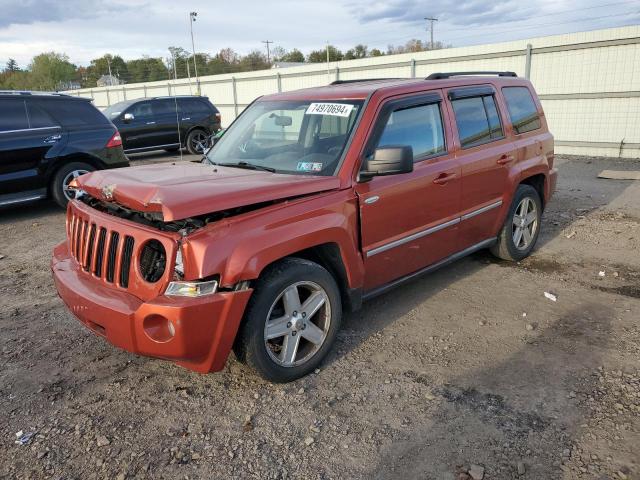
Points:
x=127, y=117
x=388, y=160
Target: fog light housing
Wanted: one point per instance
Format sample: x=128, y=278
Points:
x=192, y=289
x=158, y=328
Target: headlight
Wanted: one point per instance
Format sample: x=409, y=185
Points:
x=192, y=289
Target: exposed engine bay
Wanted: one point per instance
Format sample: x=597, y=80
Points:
x=155, y=219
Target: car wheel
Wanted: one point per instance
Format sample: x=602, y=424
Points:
x=291, y=321
x=197, y=142
x=59, y=188
x=520, y=231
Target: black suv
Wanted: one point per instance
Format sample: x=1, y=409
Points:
x=152, y=123
x=48, y=139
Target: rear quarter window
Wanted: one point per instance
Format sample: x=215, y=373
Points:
x=75, y=113
x=522, y=109
x=194, y=105
x=14, y=114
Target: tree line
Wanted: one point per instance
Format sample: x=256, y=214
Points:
x=55, y=71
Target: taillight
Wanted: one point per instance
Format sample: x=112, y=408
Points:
x=219, y=117
x=115, y=140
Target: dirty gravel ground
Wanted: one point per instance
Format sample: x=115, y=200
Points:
x=443, y=375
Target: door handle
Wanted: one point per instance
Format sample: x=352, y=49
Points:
x=151, y=123
x=52, y=139
x=444, y=178
x=504, y=159
x=186, y=118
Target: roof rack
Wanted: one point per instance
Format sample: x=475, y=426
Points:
x=341, y=82
x=442, y=76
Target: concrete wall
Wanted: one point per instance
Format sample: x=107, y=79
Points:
x=589, y=83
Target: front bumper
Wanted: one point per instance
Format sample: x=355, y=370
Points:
x=203, y=329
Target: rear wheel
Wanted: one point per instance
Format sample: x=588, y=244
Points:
x=197, y=142
x=291, y=321
x=522, y=226
x=59, y=187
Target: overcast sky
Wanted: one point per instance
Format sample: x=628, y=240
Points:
x=86, y=29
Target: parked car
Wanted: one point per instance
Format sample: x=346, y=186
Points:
x=46, y=140
x=312, y=202
x=165, y=123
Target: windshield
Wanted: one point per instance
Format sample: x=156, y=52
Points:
x=296, y=137
x=115, y=109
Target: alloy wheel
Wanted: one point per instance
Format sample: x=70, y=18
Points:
x=199, y=141
x=71, y=193
x=297, y=324
x=525, y=223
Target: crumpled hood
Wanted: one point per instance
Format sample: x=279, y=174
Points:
x=187, y=189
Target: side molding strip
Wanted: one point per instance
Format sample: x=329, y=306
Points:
x=429, y=231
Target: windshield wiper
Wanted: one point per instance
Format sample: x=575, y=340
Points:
x=248, y=166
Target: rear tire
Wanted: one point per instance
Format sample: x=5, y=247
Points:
x=291, y=321
x=520, y=231
x=197, y=142
x=60, y=181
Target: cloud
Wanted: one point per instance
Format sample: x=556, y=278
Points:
x=32, y=11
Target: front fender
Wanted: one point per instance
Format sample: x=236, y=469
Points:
x=240, y=248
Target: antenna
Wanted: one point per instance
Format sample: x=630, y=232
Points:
x=175, y=99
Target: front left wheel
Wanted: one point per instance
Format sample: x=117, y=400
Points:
x=291, y=321
x=60, y=190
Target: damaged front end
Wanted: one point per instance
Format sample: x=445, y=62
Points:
x=155, y=219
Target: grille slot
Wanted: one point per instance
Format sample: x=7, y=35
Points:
x=125, y=264
x=102, y=237
x=111, y=256
x=92, y=239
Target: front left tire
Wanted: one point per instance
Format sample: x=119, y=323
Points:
x=291, y=321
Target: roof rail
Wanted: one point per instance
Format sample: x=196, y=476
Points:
x=28, y=92
x=442, y=76
x=342, y=82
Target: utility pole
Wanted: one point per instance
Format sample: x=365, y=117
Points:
x=328, y=70
x=110, y=77
x=431, y=20
x=192, y=19
x=267, y=42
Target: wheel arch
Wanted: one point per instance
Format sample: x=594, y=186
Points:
x=66, y=160
x=538, y=182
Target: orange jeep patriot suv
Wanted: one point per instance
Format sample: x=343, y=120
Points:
x=311, y=202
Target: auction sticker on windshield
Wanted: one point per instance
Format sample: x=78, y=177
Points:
x=335, y=109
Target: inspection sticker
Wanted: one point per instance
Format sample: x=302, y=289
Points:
x=309, y=167
x=335, y=109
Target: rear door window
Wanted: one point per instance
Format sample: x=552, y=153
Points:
x=419, y=127
x=14, y=114
x=164, y=107
x=522, y=109
x=477, y=120
x=39, y=117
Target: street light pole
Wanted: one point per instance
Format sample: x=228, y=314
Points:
x=192, y=18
